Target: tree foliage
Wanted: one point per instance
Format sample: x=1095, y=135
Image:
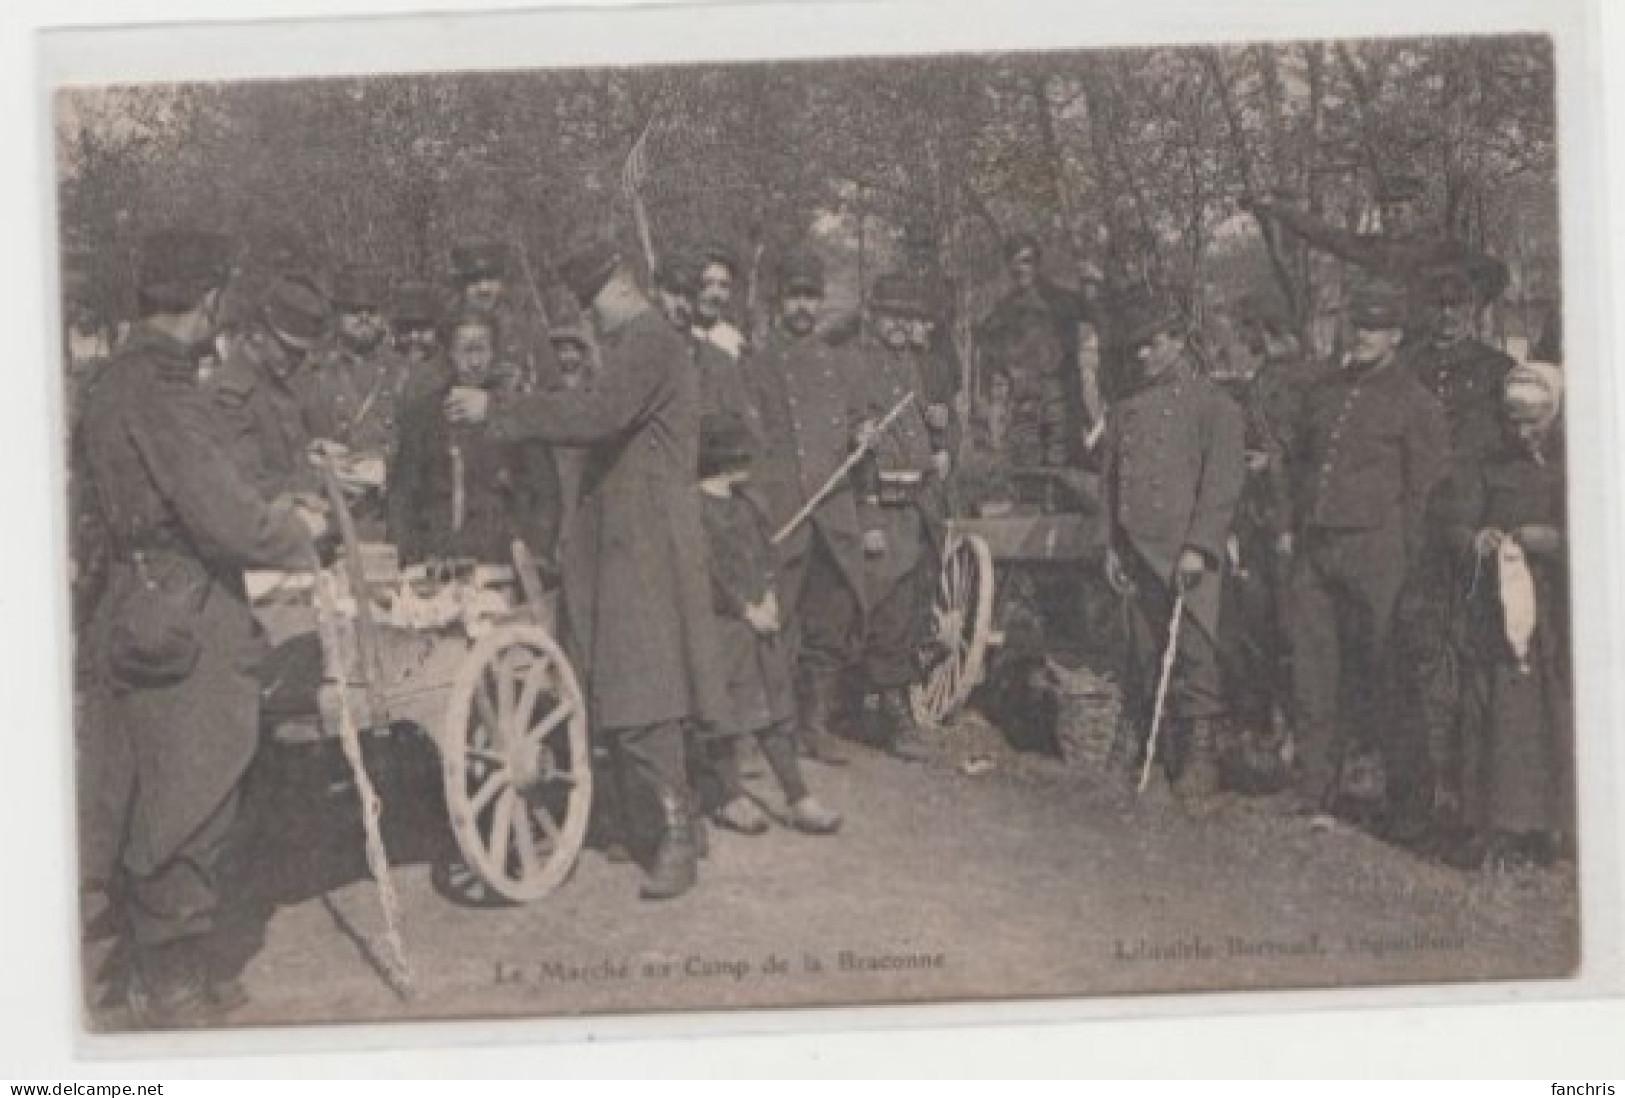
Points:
x=1132, y=161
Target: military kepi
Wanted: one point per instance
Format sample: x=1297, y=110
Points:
x=358, y=288
x=1379, y=306
x=801, y=272
x=296, y=311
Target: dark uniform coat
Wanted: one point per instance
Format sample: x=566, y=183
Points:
x=808, y=396
x=1255, y=599
x=1272, y=403
x=264, y=427
x=912, y=520
x=1368, y=448
x=174, y=501
x=636, y=582
x=354, y=399
x=1466, y=378
x=742, y=572
x=1173, y=475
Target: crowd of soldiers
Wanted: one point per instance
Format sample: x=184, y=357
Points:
x=745, y=530
x=1368, y=555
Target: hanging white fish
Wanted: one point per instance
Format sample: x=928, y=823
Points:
x=1518, y=607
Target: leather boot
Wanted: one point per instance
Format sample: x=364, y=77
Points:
x=1123, y=758
x=819, y=687
x=903, y=738
x=674, y=869
x=169, y=987
x=1198, y=778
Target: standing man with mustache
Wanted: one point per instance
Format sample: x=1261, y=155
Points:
x=173, y=647
x=1369, y=446
x=274, y=327
x=352, y=392
x=805, y=392
x=1173, y=473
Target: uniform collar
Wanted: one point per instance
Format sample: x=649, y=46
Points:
x=790, y=344
x=1388, y=367
x=340, y=355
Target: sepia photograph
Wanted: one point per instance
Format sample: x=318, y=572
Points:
x=865, y=530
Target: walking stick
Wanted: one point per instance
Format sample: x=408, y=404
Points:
x=835, y=478
x=1162, y=690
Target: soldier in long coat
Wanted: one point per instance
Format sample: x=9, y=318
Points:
x=901, y=509
x=849, y=572
x=351, y=391
x=636, y=591
x=1370, y=445
x=276, y=327
x=805, y=391
x=1172, y=476
x=173, y=642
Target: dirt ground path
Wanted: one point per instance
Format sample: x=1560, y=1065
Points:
x=1025, y=880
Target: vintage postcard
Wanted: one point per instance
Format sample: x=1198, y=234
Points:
x=641, y=534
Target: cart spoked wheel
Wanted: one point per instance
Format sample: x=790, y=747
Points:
x=518, y=769
x=962, y=621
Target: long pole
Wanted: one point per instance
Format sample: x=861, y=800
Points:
x=835, y=478
x=1163, y=680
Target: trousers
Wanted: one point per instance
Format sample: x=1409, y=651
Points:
x=180, y=898
x=1345, y=589
x=1196, y=690
x=835, y=632
x=718, y=778
x=651, y=763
